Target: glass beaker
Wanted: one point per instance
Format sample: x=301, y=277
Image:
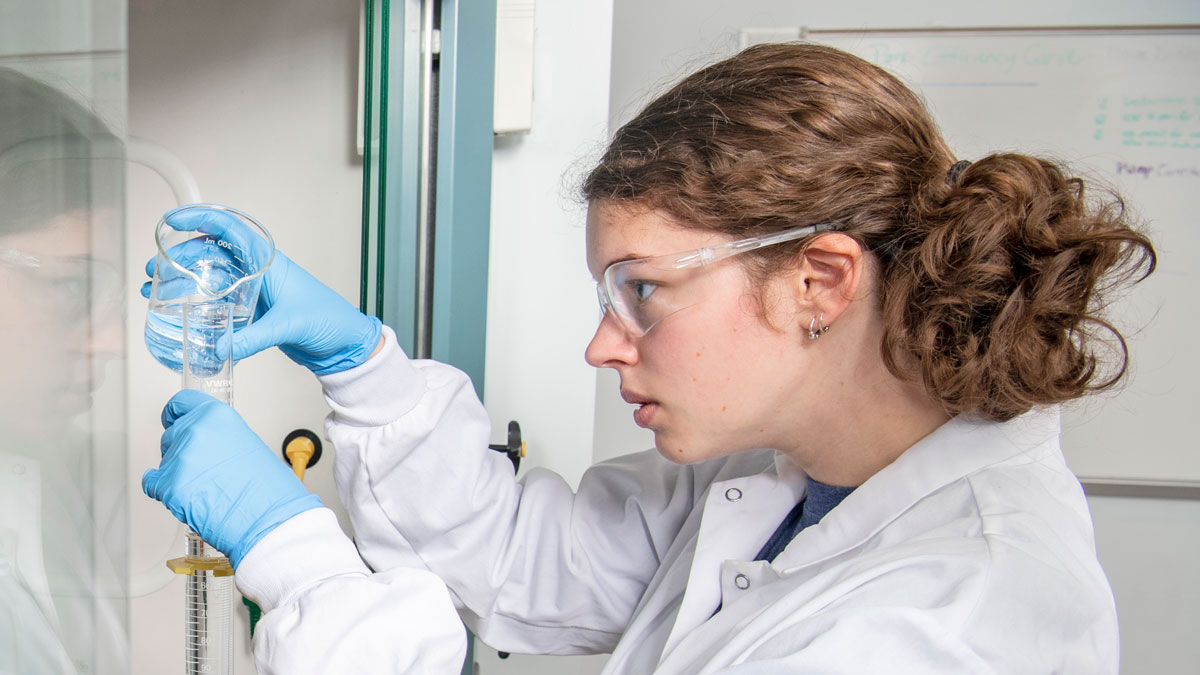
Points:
x=207, y=254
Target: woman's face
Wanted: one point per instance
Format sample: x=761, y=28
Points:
x=57, y=335
x=714, y=378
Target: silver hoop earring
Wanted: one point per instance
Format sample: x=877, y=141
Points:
x=817, y=327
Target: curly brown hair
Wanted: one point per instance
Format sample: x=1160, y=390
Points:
x=993, y=277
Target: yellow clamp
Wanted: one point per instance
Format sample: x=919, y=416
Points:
x=189, y=565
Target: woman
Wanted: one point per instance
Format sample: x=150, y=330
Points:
x=850, y=348
x=63, y=529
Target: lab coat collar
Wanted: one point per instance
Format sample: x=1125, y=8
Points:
x=740, y=511
x=958, y=448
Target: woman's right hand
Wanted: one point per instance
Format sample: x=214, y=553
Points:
x=312, y=324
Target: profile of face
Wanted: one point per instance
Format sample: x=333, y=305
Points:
x=61, y=179
x=60, y=305
x=61, y=185
x=718, y=376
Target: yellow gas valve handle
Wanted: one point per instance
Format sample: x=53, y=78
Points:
x=301, y=449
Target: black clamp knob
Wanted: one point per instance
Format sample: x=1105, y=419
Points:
x=515, y=448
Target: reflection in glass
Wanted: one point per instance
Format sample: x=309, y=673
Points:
x=63, y=530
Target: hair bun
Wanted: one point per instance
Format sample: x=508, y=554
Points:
x=999, y=303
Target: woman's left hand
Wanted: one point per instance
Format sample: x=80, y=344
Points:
x=219, y=478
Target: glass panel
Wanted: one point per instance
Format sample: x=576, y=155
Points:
x=465, y=140
x=391, y=154
x=374, y=96
x=63, y=493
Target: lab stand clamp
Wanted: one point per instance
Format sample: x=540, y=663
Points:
x=194, y=564
x=515, y=448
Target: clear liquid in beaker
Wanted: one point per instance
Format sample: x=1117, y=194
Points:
x=208, y=255
x=187, y=338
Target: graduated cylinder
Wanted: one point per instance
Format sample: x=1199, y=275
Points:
x=208, y=622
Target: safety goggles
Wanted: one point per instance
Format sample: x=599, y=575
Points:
x=643, y=291
x=71, y=286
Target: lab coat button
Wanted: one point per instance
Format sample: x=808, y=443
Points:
x=733, y=494
x=18, y=469
x=741, y=581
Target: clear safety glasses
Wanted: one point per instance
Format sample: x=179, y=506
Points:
x=644, y=291
x=74, y=285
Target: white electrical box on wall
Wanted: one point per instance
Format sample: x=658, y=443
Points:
x=514, y=65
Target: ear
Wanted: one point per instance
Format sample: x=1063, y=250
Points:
x=830, y=271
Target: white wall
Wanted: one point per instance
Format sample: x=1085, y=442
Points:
x=541, y=299
x=657, y=42
x=1149, y=547
x=258, y=99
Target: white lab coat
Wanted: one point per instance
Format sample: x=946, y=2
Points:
x=972, y=552
x=57, y=617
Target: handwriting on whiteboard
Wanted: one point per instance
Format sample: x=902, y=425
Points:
x=1161, y=170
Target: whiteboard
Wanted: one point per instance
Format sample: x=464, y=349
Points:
x=1121, y=106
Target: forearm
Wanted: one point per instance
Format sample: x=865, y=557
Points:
x=415, y=474
x=325, y=612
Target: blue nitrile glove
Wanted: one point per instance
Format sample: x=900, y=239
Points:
x=309, y=322
x=217, y=476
